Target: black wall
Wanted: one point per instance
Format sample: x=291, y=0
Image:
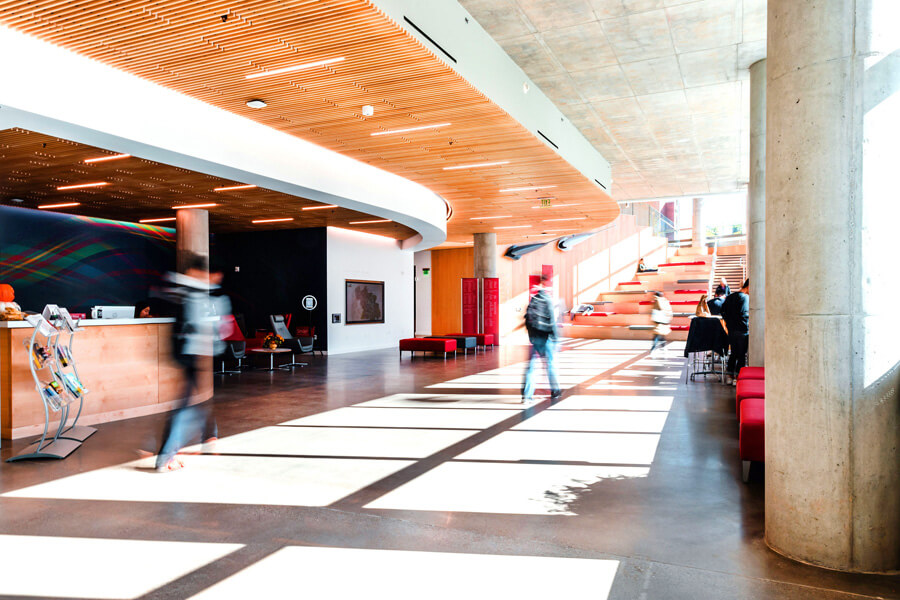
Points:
x=277, y=268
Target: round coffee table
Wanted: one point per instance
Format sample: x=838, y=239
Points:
x=271, y=352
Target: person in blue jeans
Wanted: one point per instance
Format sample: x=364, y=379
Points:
x=541, y=324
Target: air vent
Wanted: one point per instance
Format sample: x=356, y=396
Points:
x=549, y=141
x=428, y=37
x=600, y=184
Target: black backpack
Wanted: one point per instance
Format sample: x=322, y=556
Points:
x=539, y=314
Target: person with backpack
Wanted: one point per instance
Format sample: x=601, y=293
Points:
x=541, y=325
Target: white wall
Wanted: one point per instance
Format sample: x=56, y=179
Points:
x=423, y=293
x=354, y=255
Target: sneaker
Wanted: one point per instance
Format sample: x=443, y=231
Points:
x=172, y=465
x=555, y=394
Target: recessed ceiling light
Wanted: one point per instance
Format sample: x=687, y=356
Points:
x=106, y=158
x=486, y=218
x=567, y=219
x=161, y=220
x=408, y=129
x=368, y=110
x=319, y=207
x=529, y=188
x=477, y=165
x=273, y=220
x=318, y=63
x=210, y=205
x=233, y=187
x=367, y=222
x=513, y=227
x=82, y=185
x=256, y=103
x=63, y=205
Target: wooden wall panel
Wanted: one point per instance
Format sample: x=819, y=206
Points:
x=448, y=267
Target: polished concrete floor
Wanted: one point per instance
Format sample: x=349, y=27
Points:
x=367, y=476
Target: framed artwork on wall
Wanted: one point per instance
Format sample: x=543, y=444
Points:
x=364, y=301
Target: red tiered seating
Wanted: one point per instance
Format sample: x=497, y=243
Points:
x=631, y=283
x=753, y=433
x=748, y=388
x=689, y=291
x=752, y=373
x=683, y=264
x=444, y=345
x=673, y=302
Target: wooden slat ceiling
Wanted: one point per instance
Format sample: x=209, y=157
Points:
x=33, y=165
x=187, y=46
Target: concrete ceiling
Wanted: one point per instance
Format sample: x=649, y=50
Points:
x=660, y=87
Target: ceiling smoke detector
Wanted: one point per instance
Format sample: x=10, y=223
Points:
x=256, y=103
x=368, y=110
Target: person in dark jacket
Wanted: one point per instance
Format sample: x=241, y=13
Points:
x=715, y=305
x=541, y=322
x=736, y=314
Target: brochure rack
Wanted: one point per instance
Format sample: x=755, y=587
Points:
x=57, y=383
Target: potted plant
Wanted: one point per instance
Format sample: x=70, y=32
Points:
x=272, y=341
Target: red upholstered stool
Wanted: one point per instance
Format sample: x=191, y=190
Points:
x=435, y=345
x=752, y=373
x=748, y=388
x=753, y=433
x=483, y=339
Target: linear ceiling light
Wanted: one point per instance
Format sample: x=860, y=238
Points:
x=209, y=205
x=568, y=219
x=367, y=222
x=529, y=188
x=319, y=207
x=477, y=165
x=513, y=227
x=63, y=205
x=486, y=218
x=272, y=220
x=233, y=187
x=106, y=158
x=318, y=63
x=408, y=129
x=82, y=185
x=162, y=220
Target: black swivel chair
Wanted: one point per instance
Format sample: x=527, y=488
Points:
x=297, y=345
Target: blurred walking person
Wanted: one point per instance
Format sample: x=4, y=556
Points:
x=193, y=339
x=541, y=325
x=661, y=315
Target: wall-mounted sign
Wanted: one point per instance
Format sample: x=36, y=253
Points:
x=426, y=271
x=309, y=302
x=336, y=317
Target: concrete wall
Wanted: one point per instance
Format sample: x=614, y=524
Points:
x=353, y=255
x=422, y=261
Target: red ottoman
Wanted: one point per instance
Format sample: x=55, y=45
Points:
x=483, y=339
x=748, y=388
x=753, y=433
x=752, y=373
x=413, y=345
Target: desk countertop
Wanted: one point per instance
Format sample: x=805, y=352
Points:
x=93, y=322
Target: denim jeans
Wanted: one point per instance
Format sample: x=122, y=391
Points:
x=186, y=421
x=545, y=347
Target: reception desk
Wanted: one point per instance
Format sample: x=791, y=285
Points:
x=125, y=364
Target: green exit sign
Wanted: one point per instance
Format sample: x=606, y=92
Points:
x=426, y=271
x=546, y=201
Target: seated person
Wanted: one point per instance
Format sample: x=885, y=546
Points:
x=715, y=305
x=644, y=269
x=723, y=286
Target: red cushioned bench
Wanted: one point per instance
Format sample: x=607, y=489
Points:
x=690, y=291
x=748, y=388
x=680, y=327
x=672, y=302
x=752, y=373
x=483, y=339
x=631, y=283
x=753, y=434
x=413, y=345
x=683, y=264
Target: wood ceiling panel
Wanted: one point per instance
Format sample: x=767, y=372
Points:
x=185, y=45
x=33, y=165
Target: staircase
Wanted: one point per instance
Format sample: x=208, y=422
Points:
x=733, y=267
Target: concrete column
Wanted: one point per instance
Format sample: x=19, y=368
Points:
x=833, y=361
x=756, y=214
x=698, y=238
x=485, y=254
x=191, y=235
